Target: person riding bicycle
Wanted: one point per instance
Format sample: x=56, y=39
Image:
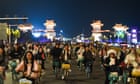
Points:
x=56, y=55
x=17, y=52
x=130, y=61
x=29, y=67
x=66, y=55
x=80, y=57
x=88, y=57
x=111, y=64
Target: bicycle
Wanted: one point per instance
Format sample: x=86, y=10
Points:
x=65, y=70
x=81, y=65
x=113, y=77
x=88, y=69
x=1, y=78
x=125, y=76
x=1, y=75
x=56, y=64
x=13, y=65
x=135, y=76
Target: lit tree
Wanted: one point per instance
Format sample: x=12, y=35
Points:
x=16, y=34
x=120, y=30
x=8, y=31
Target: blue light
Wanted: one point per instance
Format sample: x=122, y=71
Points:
x=36, y=34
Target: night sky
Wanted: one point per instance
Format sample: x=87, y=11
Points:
x=74, y=16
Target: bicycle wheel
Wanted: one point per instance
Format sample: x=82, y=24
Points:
x=1, y=80
x=56, y=72
x=125, y=77
x=81, y=66
x=88, y=72
x=111, y=82
x=65, y=74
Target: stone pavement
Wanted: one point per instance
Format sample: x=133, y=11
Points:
x=75, y=77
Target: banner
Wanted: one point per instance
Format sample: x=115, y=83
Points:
x=3, y=27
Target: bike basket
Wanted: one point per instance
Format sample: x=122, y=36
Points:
x=65, y=66
x=113, y=74
x=25, y=81
x=136, y=72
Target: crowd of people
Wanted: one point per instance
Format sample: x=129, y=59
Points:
x=31, y=58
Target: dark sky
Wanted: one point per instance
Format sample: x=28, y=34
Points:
x=74, y=16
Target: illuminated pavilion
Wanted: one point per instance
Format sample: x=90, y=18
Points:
x=50, y=32
x=97, y=32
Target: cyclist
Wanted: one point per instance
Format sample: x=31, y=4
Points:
x=66, y=57
x=88, y=57
x=29, y=67
x=111, y=64
x=66, y=54
x=56, y=54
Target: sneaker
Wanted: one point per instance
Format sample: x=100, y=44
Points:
x=62, y=77
x=120, y=78
x=128, y=80
x=69, y=70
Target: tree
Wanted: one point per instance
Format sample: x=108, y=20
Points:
x=16, y=34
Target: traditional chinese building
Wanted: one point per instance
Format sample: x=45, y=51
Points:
x=50, y=32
